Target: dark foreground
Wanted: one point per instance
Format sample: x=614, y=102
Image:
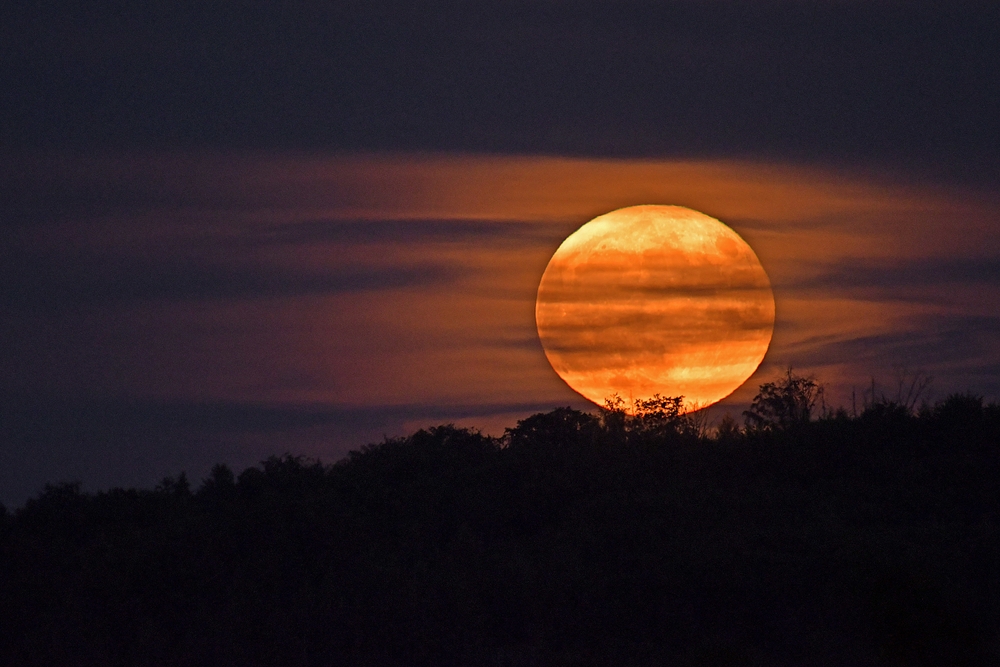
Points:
x=575, y=540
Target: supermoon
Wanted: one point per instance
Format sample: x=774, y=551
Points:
x=655, y=300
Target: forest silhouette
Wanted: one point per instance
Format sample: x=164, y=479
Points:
x=633, y=536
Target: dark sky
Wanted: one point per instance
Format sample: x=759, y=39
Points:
x=907, y=82
x=232, y=230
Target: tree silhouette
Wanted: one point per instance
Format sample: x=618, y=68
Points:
x=576, y=539
x=784, y=403
x=563, y=427
x=654, y=417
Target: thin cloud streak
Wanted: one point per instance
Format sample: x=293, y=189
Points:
x=924, y=272
x=47, y=284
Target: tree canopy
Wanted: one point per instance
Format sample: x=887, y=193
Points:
x=623, y=537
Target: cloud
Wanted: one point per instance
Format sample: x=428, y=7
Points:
x=948, y=341
x=42, y=283
x=397, y=231
x=889, y=275
x=957, y=349
x=217, y=188
x=23, y=414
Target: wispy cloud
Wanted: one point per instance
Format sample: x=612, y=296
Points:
x=337, y=231
x=889, y=276
x=41, y=283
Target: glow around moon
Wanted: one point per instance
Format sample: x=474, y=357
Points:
x=655, y=300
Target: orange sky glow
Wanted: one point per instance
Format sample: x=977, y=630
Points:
x=437, y=260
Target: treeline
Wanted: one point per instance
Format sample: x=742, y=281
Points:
x=629, y=537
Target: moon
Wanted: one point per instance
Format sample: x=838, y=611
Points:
x=652, y=300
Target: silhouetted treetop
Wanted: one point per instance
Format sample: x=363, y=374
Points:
x=784, y=403
x=562, y=427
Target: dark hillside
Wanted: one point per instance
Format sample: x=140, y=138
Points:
x=575, y=540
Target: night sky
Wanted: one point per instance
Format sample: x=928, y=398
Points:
x=242, y=230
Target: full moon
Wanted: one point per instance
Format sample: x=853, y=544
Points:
x=652, y=300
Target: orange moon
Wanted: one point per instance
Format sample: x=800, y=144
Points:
x=655, y=300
